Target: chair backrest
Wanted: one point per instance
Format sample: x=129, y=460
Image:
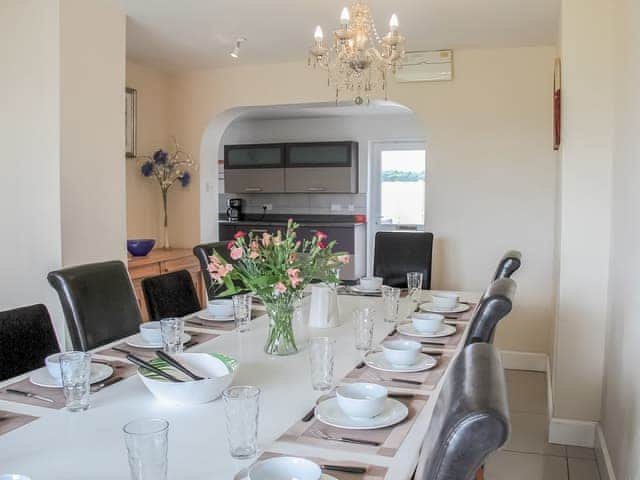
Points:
x=495, y=304
x=98, y=303
x=398, y=253
x=202, y=253
x=509, y=263
x=26, y=338
x=470, y=419
x=170, y=295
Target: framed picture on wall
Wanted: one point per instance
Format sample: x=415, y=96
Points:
x=131, y=120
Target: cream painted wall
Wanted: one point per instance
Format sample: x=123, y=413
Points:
x=30, y=244
x=621, y=397
x=586, y=34
x=144, y=204
x=92, y=76
x=487, y=131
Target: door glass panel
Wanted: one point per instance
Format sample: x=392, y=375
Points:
x=402, y=178
x=254, y=157
x=327, y=155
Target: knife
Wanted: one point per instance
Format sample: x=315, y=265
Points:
x=343, y=468
x=31, y=395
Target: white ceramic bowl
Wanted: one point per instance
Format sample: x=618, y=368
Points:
x=402, y=353
x=371, y=283
x=151, y=333
x=217, y=369
x=361, y=400
x=220, y=308
x=53, y=365
x=285, y=468
x=427, y=322
x=446, y=301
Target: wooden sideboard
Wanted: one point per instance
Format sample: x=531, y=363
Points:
x=160, y=261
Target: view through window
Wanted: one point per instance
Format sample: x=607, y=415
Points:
x=402, y=187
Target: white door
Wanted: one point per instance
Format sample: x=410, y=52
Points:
x=397, y=189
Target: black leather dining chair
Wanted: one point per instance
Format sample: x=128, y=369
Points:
x=398, y=253
x=496, y=303
x=509, y=263
x=170, y=295
x=26, y=339
x=98, y=303
x=471, y=417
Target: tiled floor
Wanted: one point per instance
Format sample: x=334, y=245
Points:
x=528, y=455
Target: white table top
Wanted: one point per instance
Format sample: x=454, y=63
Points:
x=64, y=445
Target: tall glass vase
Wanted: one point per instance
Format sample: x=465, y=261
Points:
x=165, y=222
x=281, y=338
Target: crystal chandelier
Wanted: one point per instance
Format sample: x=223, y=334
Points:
x=359, y=61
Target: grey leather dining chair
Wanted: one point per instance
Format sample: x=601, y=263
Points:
x=470, y=420
x=495, y=304
x=26, y=339
x=509, y=263
x=98, y=303
x=398, y=253
x=170, y=295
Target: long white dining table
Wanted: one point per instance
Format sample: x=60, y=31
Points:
x=89, y=445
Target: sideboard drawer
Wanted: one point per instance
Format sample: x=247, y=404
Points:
x=184, y=263
x=144, y=271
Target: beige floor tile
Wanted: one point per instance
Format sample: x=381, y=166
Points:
x=529, y=435
x=525, y=466
x=580, y=452
x=583, y=469
x=527, y=391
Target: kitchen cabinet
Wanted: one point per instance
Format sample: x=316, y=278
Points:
x=321, y=167
x=254, y=168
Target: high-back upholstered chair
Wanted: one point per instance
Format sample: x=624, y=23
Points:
x=495, y=304
x=471, y=417
x=203, y=252
x=26, y=338
x=98, y=303
x=170, y=295
x=398, y=253
x=509, y=263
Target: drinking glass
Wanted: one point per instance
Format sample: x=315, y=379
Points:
x=414, y=284
x=172, y=330
x=391, y=300
x=321, y=353
x=242, y=311
x=241, y=407
x=147, y=441
x=76, y=373
x=363, y=322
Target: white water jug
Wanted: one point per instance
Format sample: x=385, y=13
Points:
x=323, y=312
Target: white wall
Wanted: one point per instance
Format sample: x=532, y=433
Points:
x=30, y=244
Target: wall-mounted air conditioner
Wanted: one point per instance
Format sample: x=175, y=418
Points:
x=433, y=66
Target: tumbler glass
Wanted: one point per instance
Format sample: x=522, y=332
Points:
x=321, y=353
x=242, y=311
x=172, y=330
x=242, y=406
x=414, y=284
x=391, y=300
x=76, y=373
x=147, y=441
x=363, y=323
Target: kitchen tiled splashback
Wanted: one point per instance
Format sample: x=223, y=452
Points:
x=303, y=203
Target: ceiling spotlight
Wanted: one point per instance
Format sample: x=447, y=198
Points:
x=235, y=53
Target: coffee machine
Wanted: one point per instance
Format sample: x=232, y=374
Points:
x=234, y=212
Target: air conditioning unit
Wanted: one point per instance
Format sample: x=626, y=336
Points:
x=432, y=66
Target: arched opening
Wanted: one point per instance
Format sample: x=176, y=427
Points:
x=389, y=191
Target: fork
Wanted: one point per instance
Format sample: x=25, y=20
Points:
x=333, y=438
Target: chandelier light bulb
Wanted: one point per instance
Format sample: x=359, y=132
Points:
x=318, y=35
x=393, y=23
x=235, y=53
x=345, y=17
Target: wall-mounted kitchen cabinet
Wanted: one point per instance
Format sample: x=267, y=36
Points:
x=319, y=167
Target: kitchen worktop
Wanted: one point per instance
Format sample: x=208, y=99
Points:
x=302, y=220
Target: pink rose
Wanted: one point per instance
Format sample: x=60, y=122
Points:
x=230, y=244
x=294, y=277
x=236, y=253
x=321, y=235
x=279, y=288
x=322, y=245
x=344, y=259
x=239, y=234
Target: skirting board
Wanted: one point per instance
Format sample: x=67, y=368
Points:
x=602, y=456
x=572, y=432
x=534, y=362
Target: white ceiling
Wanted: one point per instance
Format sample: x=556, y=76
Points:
x=189, y=34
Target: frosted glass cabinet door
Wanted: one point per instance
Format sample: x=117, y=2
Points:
x=323, y=167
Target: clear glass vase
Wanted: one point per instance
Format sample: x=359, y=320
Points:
x=281, y=339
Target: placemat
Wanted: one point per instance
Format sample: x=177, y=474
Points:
x=195, y=322
x=390, y=438
x=148, y=353
x=447, y=343
x=428, y=379
x=374, y=472
x=10, y=421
